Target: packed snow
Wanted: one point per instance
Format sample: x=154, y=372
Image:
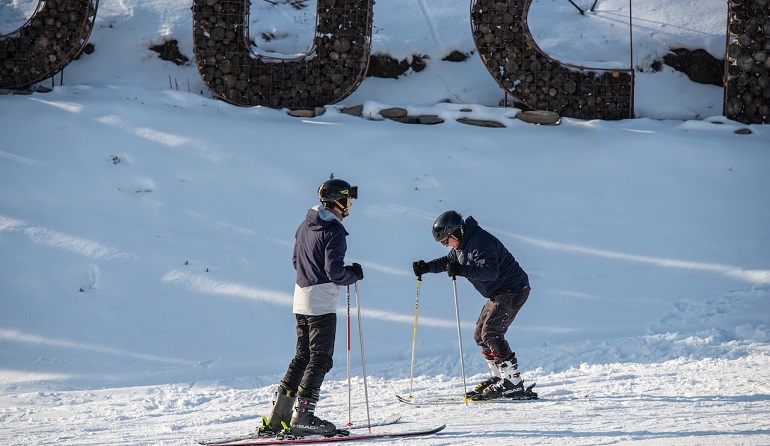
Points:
x=146, y=231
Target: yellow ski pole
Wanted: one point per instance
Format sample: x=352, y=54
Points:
x=414, y=334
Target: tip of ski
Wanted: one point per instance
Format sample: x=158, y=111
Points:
x=429, y=400
x=392, y=419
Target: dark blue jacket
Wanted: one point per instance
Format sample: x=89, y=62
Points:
x=319, y=250
x=484, y=261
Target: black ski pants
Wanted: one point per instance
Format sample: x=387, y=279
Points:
x=313, y=359
x=495, y=318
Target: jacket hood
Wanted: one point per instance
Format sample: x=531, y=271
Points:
x=318, y=218
x=469, y=228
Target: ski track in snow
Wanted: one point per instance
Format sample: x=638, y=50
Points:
x=202, y=284
x=755, y=277
x=59, y=240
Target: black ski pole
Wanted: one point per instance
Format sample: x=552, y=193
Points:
x=578, y=7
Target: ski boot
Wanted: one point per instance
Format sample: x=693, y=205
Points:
x=304, y=422
x=479, y=389
x=496, y=376
x=283, y=404
x=503, y=388
x=506, y=389
x=510, y=384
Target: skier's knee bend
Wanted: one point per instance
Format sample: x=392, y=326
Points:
x=320, y=364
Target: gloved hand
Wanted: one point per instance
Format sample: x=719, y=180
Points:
x=356, y=269
x=420, y=268
x=453, y=268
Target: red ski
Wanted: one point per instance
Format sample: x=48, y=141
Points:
x=319, y=439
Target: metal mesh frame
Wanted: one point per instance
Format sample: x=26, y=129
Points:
x=329, y=72
x=747, y=65
x=43, y=46
x=538, y=81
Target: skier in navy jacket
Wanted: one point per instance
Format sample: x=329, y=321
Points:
x=481, y=258
x=319, y=258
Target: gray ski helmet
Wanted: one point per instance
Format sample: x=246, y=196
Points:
x=331, y=192
x=446, y=224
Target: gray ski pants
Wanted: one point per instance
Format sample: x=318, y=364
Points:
x=495, y=318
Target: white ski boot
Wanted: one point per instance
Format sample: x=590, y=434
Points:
x=510, y=384
x=494, y=378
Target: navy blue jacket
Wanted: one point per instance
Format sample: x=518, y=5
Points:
x=484, y=261
x=319, y=250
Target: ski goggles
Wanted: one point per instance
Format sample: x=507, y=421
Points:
x=456, y=234
x=351, y=193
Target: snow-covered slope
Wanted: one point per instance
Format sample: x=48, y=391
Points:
x=146, y=234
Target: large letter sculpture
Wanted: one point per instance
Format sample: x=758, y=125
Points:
x=332, y=69
x=538, y=81
x=54, y=35
x=747, y=93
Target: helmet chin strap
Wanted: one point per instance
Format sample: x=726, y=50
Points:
x=344, y=209
x=457, y=234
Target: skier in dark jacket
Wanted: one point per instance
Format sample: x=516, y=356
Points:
x=319, y=258
x=481, y=258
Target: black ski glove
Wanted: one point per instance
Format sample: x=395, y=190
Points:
x=356, y=269
x=453, y=268
x=420, y=268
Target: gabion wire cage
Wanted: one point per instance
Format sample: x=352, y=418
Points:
x=540, y=82
x=747, y=67
x=329, y=72
x=56, y=34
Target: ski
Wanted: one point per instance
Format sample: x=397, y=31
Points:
x=429, y=401
x=447, y=401
x=529, y=395
x=393, y=419
x=273, y=440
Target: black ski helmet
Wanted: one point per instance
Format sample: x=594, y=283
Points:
x=447, y=224
x=336, y=192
